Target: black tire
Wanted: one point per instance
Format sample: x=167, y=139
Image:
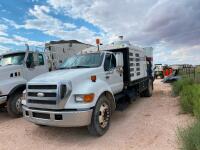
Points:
x=149, y=91
x=97, y=128
x=14, y=105
x=40, y=125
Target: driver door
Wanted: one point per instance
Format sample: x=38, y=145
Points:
x=112, y=76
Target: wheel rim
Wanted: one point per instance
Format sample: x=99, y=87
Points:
x=104, y=115
x=18, y=104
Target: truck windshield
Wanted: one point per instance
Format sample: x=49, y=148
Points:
x=90, y=60
x=12, y=59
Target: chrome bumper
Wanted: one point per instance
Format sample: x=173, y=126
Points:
x=3, y=99
x=58, y=118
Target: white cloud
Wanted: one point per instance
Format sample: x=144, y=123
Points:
x=43, y=21
x=173, y=24
x=172, y=27
x=3, y=29
x=19, y=40
x=12, y=23
x=3, y=49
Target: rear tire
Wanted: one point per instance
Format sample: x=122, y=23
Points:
x=149, y=91
x=100, y=121
x=14, y=107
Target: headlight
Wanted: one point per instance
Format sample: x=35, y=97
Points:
x=84, y=98
x=24, y=95
x=65, y=89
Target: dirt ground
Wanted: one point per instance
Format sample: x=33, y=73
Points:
x=147, y=124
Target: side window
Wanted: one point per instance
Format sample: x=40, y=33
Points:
x=41, y=59
x=113, y=61
x=110, y=62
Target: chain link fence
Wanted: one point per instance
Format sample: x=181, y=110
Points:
x=190, y=72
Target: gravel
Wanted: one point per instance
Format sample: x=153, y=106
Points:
x=147, y=124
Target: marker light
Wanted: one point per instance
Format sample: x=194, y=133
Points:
x=98, y=41
x=93, y=78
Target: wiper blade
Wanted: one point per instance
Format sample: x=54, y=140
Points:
x=63, y=68
x=80, y=67
x=74, y=67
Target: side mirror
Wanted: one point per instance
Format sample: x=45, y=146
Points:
x=30, y=64
x=119, y=62
x=32, y=60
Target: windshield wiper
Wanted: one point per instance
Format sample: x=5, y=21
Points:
x=80, y=66
x=8, y=64
x=74, y=67
x=63, y=68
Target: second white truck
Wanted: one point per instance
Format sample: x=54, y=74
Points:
x=18, y=67
x=87, y=89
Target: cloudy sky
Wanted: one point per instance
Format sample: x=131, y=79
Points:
x=171, y=27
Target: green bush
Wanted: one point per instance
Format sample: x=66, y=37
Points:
x=196, y=101
x=189, y=138
x=177, y=86
x=190, y=99
x=189, y=92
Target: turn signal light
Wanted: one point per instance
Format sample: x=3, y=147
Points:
x=88, y=97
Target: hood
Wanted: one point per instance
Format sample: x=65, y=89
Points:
x=64, y=75
x=5, y=71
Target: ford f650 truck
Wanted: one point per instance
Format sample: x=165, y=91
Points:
x=85, y=92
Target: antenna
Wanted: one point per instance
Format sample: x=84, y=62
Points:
x=27, y=46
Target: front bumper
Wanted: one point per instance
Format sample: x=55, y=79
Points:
x=58, y=118
x=3, y=99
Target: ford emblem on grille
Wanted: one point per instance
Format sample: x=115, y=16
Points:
x=40, y=94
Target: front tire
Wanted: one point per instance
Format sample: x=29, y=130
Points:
x=14, y=107
x=100, y=121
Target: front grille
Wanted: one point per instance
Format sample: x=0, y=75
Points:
x=34, y=94
x=42, y=86
x=42, y=96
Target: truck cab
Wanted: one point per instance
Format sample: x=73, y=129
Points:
x=16, y=69
x=86, y=89
x=158, y=71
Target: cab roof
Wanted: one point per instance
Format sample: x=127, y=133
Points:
x=16, y=52
x=111, y=47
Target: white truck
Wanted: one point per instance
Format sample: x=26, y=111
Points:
x=87, y=89
x=20, y=66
